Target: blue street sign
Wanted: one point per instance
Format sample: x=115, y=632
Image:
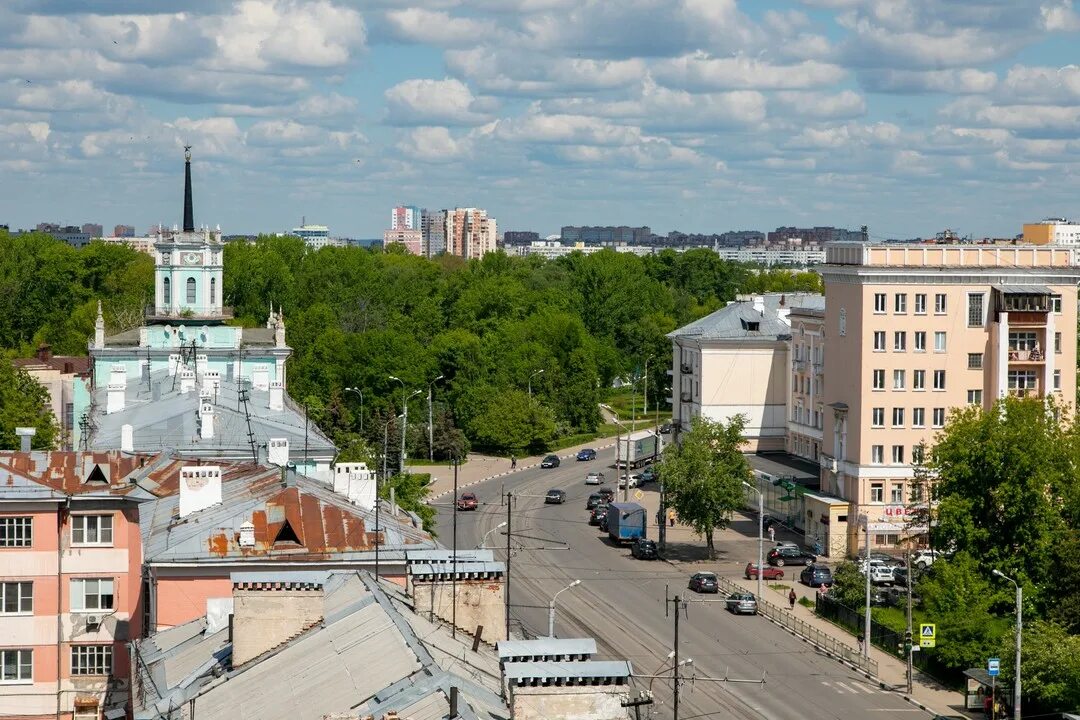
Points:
x=993, y=667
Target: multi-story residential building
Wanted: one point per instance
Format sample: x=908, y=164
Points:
x=405, y=217
x=146, y=245
x=513, y=238
x=470, y=233
x=413, y=240
x=70, y=574
x=806, y=415
x=124, y=231
x=94, y=230
x=817, y=235
x=1052, y=231
x=433, y=232
x=794, y=255
x=73, y=235
x=606, y=235
x=551, y=249
x=58, y=374
x=316, y=237
x=915, y=331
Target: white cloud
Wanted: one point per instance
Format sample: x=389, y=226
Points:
x=439, y=28
x=435, y=102
x=962, y=81
x=1060, y=17
x=702, y=72
x=433, y=145
x=564, y=129
x=504, y=70
x=832, y=106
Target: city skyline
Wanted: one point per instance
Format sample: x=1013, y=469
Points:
x=696, y=116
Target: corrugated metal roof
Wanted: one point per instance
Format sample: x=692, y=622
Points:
x=734, y=321
x=68, y=473
x=545, y=647
x=461, y=568
x=432, y=556
x=589, y=669
x=1024, y=289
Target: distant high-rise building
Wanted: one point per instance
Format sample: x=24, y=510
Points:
x=818, y=235
x=411, y=239
x=405, y=217
x=124, y=231
x=316, y=237
x=606, y=235
x=73, y=235
x=1052, y=231
x=516, y=238
x=433, y=232
x=470, y=233
x=94, y=230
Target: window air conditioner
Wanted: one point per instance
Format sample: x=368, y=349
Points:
x=93, y=622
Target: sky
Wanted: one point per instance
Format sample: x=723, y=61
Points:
x=908, y=116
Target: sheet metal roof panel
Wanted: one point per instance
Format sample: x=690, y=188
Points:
x=546, y=647
x=555, y=670
x=730, y=321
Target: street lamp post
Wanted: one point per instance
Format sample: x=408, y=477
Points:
x=551, y=607
x=430, y=425
x=359, y=392
x=864, y=520
x=760, y=534
x=645, y=391
x=483, y=540
x=1019, y=636
x=626, y=459
x=404, y=419
x=538, y=372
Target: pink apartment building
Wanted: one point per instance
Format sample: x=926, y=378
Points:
x=70, y=568
x=915, y=331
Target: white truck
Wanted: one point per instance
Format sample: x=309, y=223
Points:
x=638, y=448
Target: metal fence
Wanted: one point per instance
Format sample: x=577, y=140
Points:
x=889, y=640
x=823, y=641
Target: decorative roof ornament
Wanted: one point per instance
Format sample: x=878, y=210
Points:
x=189, y=212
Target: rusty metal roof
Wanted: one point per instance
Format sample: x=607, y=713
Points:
x=69, y=473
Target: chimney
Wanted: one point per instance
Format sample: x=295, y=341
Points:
x=277, y=451
x=200, y=488
x=270, y=612
x=277, y=396
x=187, y=380
x=44, y=352
x=127, y=438
x=206, y=419
x=26, y=437
x=759, y=303
x=115, y=390
x=247, y=534
x=211, y=382
x=356, y=482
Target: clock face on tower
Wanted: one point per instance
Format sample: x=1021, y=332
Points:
x=191, y=258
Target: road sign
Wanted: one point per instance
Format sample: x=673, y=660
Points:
x=993, y=667
x=927, y=635
x=638, y=494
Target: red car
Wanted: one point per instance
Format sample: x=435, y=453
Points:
x=771, y=573
x=468, y=501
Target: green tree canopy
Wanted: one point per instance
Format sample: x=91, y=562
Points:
x=24, y=403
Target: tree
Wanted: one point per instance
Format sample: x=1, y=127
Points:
x=410, y=491
x=512, y=421
x=24, y=403
x=703, y=475
x=849, y=585
x=1051, y=665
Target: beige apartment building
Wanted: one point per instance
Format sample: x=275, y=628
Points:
x=915, y=331
x=470, y=233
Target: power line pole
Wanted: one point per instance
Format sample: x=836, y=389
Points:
x=907, y=640
x=453, y=576
x=675, y=704
x=506, y=594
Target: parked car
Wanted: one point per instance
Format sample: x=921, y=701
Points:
x=665, y=428
x=608, y=494
x=467, y=501
x=785, y=543
x=598, y=514
x=594, y=478
x=882, y=575
x=649, y=475
x=586, y=454
x=550, y=461
x=897, y=597
x=742, y=603
x=555, y=497
x=782, y=556
x=594, y=500
x=923, y=559
x=634, y=480
x=880, y=557
x=704, y=582
x=770, y=573
x=816, y=576
x=644, y=549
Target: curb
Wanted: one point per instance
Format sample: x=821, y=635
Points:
x=430, y=498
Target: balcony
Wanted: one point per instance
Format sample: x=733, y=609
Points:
x=798, y=365
x=685, y=396
x=1027, y=319
x=819, y=368
x=1027, y=356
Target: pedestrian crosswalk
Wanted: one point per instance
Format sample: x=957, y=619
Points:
x=852, y=687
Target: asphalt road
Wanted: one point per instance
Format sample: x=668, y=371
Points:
x=620, y=602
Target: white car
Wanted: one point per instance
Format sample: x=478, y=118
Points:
x=882, y=575
x=635, y=481
x=594, y=478
x=923, y=559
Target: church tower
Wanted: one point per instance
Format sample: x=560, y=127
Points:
x=187, y=278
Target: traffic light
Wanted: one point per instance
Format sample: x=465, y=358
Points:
x=907, y=642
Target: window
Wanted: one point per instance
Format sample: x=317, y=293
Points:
x=89, y=594
x=191, y=291
x=877, y=454
x=939, y=304
x=899, y=341
x=898, y=417
x=900, y=303
x=920, y=303
x=91, y=660
x=975, y=361
x=887, y=539
x=916, y=488
x=939, y=417
x=898, y=454
x=896, y=493
x=878, y=417
x=16, y=598
x=166, y=292
x=91, y=530
x=974, y=397
x=16, y=666
x=880, y=303
x=879, y=340
x=877, y=492
x=918, y=380
x=1021, y=379
x=975, y=309
x=920, y=341
x=918, y=417
x=1021, y=341
x=939, y=341
x=213, y=290
x=1057, y=379
x=1055, y=303
x=939, y=379
x=898, y=379
x=85, y=712
x=879, y=379
x=16, y=531
x=1057, y=342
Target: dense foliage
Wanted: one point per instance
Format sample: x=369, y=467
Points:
x=24, y=403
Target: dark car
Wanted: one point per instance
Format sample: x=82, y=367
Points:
x=555, y=496
x=648, y=475
x=550, y=461
x=704, y=582
x=598, y=516
x=467, y=501
x=665, y=428
x=644, y=549
x=816, y=576
x=782, y=556
x=770, y=573
x=586, y=454
x=594, y=500
x=607, y=493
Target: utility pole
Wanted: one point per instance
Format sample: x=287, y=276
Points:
x=662, y=517
x=865, y=519
x=675, y=704
x=506, y=594
x=907, y=640
x=453, y=576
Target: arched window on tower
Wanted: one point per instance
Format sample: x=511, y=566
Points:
x=213, y=291
x=166, y=293
x=191, y=291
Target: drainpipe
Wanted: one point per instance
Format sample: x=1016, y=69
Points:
x=61, y=514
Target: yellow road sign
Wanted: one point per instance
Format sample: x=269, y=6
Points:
x=927, y=635
x=638, y=494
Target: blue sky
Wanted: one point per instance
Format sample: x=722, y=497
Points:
x=908, y=116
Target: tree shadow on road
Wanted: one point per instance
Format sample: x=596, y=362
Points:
x=690, y=552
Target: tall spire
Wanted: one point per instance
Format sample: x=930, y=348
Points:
x=189, y=212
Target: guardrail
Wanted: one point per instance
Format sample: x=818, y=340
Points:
x=821, y=640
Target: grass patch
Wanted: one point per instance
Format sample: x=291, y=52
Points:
x=606, y=430
x=626, y=405
x=779, y=587
x=424, y=461
x=806, y=602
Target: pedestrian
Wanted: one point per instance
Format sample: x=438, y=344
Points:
x=862, y=639
x=671, y=517
x=513, y=462
x=791, y=598
x=772, y=534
